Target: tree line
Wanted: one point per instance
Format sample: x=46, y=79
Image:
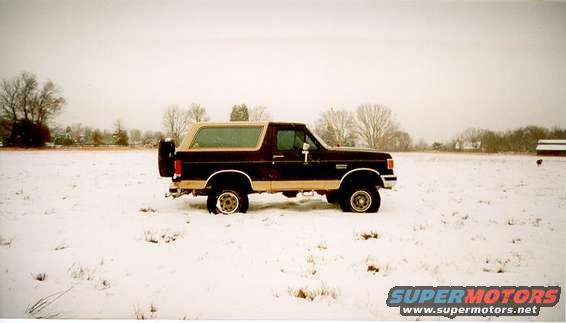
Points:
x=372, y=125
x=78, y=134
x=27, y=108
x=520, y=140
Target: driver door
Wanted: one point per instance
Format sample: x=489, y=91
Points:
x=289, y=169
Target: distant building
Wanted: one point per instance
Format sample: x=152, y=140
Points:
x=551, y=147
x=467, y=145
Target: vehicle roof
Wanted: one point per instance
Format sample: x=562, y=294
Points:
x=251, y=123
x=552, y=142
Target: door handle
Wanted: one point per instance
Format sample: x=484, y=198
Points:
x=278, y=156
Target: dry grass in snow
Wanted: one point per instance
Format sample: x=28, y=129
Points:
x=98, y=221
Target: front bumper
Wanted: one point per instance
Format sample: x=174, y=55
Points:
x=388, y=181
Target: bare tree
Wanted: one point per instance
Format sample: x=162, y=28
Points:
x=97, y=137
x=259, y=113
x=135, y=136
x=196, y=113
x=399, y=141
x=471, y=137
x=77, y=133
x=28, y=86
x=88, y=132
x=375, y=125
x=151, y=138
x=472, y=134
x=26, y=108
x=9, y=99
x=47, y=103
x=421, y=145
x=336, y=127
x=175, y=123
x=21, y=98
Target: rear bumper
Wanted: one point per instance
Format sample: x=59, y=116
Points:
x=175, y=191
x=388, y=181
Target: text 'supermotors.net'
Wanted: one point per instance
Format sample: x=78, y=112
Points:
x=452, y=301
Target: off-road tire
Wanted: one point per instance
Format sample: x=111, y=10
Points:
x=214, y=205
x=360, y=199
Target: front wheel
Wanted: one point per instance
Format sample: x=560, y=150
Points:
x=360, y=200
x=227, y=201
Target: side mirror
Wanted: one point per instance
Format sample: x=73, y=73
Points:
x=306, y=152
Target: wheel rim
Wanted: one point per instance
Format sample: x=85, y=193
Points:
x=360, y=201
x=227, y=202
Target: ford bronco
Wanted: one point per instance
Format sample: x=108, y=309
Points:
x=228, y=161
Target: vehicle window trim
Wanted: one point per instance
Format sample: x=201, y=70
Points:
x=257, y=147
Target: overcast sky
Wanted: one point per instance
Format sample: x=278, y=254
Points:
x=441, y=67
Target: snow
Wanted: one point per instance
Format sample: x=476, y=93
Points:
x=98, y=225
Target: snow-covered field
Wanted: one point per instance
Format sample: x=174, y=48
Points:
x=98, y=226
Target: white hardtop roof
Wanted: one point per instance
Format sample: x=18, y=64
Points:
x=233, y=123
x=552, y=142
x=551, y=147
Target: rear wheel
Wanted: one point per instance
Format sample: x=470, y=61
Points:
x=361, y=199
x=227, y=201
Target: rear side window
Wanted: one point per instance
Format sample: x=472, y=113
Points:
x=227, y=137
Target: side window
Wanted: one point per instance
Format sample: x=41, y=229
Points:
x=227, y=137
x=311, y=143
x=285, y=139
x=293, y=140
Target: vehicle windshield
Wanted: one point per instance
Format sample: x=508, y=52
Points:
x=322, y=142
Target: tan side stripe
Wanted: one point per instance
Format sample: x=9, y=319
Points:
x=191, y=185
x=272, y=186
x=304, y=185
x=261, y=186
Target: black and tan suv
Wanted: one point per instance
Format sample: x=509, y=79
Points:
x=228, y=161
